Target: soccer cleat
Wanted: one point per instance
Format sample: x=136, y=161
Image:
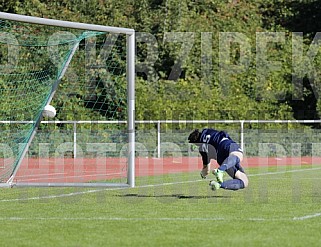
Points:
x=219, y=175
x=202, y=176
x=214, y=185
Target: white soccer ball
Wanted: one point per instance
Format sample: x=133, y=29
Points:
x=49, y=111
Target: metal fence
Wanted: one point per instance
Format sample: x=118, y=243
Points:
x=156, y=137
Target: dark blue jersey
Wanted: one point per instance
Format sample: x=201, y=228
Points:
x=213, y=137
x=216, y=145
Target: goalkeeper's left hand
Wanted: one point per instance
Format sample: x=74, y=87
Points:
x=204, y=172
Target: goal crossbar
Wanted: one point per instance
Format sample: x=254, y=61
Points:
x=68, y=24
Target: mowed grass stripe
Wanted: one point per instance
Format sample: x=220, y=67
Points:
x=148, y=186
x=169, y=210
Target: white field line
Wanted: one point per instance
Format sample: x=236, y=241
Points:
x=282, y=172
x=147, y=219
x=306, y=217
x=135, y=219
x=92, y=191
x=109, y=219
x=142, y=186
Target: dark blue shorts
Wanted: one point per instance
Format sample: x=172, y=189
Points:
x=225, y=148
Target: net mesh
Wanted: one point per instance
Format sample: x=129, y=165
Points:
x=34, y=59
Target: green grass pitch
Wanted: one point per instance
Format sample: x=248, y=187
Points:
x=281, y=207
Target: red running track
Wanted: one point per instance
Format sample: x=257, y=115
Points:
x=65, y=170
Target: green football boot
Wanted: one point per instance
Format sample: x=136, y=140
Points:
x=214, y=185
x=219, y=175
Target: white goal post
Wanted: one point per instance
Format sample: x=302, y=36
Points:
x=130, y=78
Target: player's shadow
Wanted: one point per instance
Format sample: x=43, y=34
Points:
x=179, y=196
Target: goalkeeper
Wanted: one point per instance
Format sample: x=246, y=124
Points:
x=218, y=145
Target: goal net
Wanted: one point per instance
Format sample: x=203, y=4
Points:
x=87, y=73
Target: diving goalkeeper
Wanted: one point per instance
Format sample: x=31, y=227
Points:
x=218, y=145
